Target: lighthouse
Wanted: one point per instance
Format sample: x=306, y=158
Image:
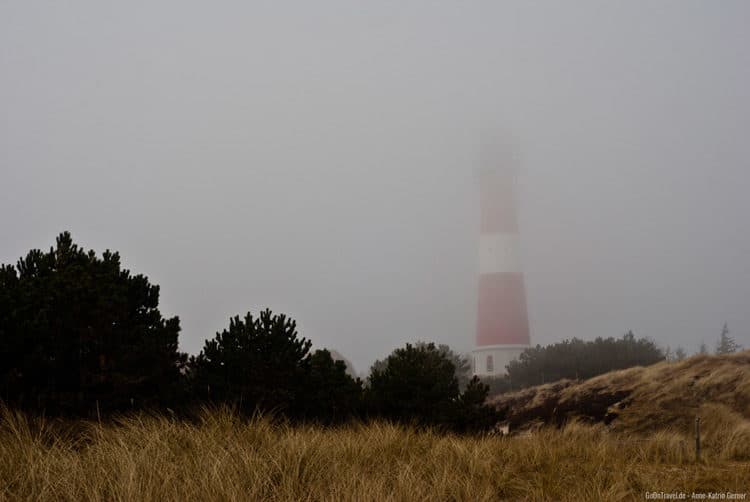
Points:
x=502, y=332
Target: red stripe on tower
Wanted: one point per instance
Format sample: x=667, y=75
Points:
x=502, y=319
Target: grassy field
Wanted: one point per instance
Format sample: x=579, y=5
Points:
x=222, y=457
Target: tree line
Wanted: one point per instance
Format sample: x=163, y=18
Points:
x=80, y=335
x=577, y=359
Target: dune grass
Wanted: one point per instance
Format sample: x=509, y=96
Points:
x=223, y=457
x=663, y=396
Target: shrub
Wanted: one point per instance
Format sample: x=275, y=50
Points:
x=331, y=394
x=77, y=332
x=256, y=363
x=418, y=384
x=578, y=359
x=262, y=364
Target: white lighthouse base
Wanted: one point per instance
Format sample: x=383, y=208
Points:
x=490, y=360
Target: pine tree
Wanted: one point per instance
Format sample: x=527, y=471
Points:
x=726, y=344
x=330, y=393
x=577, y=358
x=418, y=384
x=77, y=331
x=460, y=361
x=257, y=363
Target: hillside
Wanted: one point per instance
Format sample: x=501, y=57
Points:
x=667, y=395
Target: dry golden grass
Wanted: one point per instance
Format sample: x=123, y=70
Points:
x=644, y=399
x=222, y=457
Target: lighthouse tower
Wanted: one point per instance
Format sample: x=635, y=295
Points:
x=502, y=320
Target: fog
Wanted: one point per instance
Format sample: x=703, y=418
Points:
x=319, y=159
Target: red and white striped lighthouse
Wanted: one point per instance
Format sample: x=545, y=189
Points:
x=502, y=320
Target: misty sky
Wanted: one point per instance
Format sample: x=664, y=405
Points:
x=319, y=158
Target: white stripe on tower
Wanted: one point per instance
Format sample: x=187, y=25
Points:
x=498, y=253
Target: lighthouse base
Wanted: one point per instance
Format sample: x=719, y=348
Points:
x=490, y=360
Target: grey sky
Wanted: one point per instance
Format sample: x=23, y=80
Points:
x=317, y=158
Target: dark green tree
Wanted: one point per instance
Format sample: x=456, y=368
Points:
x=726, y=344
x=471, y=412
x=258, y=363
x=418, y=384
x=460, y=362
x=330, y=394
x=78, y=332
x=577, y=359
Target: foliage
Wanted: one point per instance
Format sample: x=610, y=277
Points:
x=331, y=394
x=77, y=332
x=575, y=359
x=726, y=344
x=262, y=364
x=677, y=354
x=415, y=383
x=256, y=363
x=471, y=413
x=498, y=384
x=461, y=363
x=336, y=356
x=418, y=384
